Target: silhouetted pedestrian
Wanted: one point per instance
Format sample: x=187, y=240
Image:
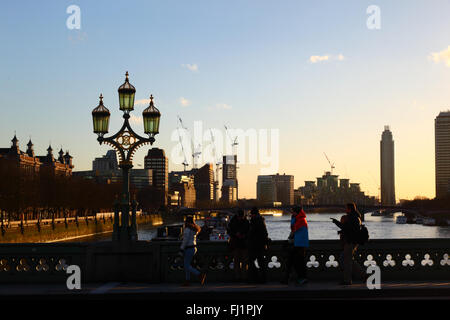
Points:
x=350, y=226
x=238, y=229
x=257, y=246
x=189, y=248
x=297, y=250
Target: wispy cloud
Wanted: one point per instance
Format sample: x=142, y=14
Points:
x=441, y=56
x=142, y=102
x=317, y=59
x=191, y=67
x=184, y=102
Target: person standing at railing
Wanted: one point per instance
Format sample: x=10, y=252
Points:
x=258, y=241
x=297, y=250
x=350, y=226
x=188, y=249
x=238, y=229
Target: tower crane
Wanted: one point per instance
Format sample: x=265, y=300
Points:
x=233, y=141
x=331, y=165
x=184, y=163
x=195, y=154
x=218, y=163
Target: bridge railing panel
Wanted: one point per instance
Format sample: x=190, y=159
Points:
x=148, y=261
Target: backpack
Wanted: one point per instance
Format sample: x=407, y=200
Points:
x=363, y=235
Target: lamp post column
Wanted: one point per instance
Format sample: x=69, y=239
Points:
x=125, y=221
x=116, y=226
x=133, y=228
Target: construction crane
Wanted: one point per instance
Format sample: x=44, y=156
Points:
x=233, y=141
x=184, y=163
x=218, y=163
x=331, y=165
x=195, y=154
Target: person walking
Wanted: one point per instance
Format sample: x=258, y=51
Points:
x=297, y=250
x=188, y=249
x=257, y=246
x=350, y=226
x=238, y=229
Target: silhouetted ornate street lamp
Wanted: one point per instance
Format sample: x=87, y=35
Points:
x=126, y=142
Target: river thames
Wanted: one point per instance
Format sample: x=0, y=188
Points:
x=320, y=227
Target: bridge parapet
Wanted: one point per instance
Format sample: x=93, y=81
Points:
x=408, y=259
x=158, y=262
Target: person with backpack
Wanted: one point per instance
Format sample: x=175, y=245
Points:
x=238, y=229
x=350, y=236
x=297, y=251
x=188, y=249
x=258, y=241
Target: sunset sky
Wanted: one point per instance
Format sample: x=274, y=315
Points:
x=312, y=70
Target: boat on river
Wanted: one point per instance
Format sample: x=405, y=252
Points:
x=429, y=221
x=215, y=228
x=401, y=219
x=382, y=213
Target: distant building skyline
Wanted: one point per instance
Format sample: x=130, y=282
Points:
x=332, y=190
x=275, y=188
x=106, y=162
x=265, y=189
x=203, y=179
x=442, y=153
x=157, y=161
x=230, y=189
x=204, y=184
x=387, y=168
x=31, y=163
x=105, y=169
x=182, y=188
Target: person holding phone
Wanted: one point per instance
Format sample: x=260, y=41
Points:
x=350, y=226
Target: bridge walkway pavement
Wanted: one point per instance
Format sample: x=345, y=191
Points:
x=316, y=290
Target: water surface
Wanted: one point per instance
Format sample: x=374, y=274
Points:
x=320, y=227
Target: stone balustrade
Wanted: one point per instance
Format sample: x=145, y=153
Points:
x=159, y=262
